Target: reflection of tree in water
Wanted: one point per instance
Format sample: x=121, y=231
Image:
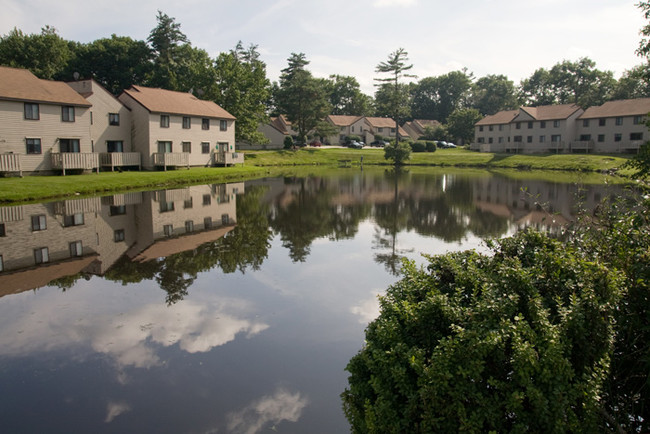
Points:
x=245, y=246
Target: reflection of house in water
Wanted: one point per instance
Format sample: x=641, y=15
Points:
x=43, y=242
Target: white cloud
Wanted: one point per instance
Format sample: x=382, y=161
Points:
x=398, y=3
x=114, y=409
x=281, y=406
x=368, y=309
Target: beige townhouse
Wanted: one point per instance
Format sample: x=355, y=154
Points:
x=384, y=127
x=177, y=129
x=492, y=133
x=415, y=128
x=276, y=130
x=615, y=127
x=44, y=125
x=110, y=126
x=344, y=125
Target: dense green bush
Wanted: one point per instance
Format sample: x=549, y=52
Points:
x=288, y=142
x=516, y=341
x=419, y=146
x=431, y=146
x=398, y=153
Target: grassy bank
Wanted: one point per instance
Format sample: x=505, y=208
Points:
x=275, y=163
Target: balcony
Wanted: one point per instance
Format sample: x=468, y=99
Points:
x=120, y=159
x=10, y=163
x=75, y=160
x=170, y=159
x=229, y=159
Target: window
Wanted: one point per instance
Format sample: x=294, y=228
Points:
x=114, y=146
x=619, y=121
x=164, y=147
x=517, y=138
x=2, y=264
x=618, y=137
x=205, y=147
x=380, y=130
x=118, y=235
x=585, y=122
x=556, y=138
x=114, y=119
x=585, y=137
x=602, y=122
x=3, y=232
x=187, y=147
x=491, y=128
x=480, y=128
x=164, y=121
x=207, y=200
x=223, y=125
x=481, y=139
x=187, y=122
x=556, y=124
x=73, y=220
x=39, y=223
x=352, y=129
x=117, y=210
x=542, y=124
x=518, y=125
x=225, y=219
x=500, y=127
x=530, y=125
x=205, y=124
x=76, y=248
x=637, y=120
x=500, y=139
x=69, y=145
x=542, y=139
x=490, y=140
x=601, y=138
x=33, y=146
x=207, y=223
x=41, y=255
x=67, y=113
x=166, y=206
x=392, y=130
x=31, y=111
x=188, y=203
x=168, y=230
x=189, y=226
x=529, y=139
x=636, y=136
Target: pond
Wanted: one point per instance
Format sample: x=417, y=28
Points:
x=227, y=308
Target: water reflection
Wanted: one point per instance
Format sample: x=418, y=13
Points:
x=268, y=410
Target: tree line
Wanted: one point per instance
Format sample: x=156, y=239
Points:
x=237, y=81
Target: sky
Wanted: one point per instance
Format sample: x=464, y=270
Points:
x=350, y=37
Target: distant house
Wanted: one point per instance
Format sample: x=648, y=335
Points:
x=615, y=127
x=346, y=126
x=415, y=128
x=177, y=129
x=44, y=125
x=384, y=127
x=276, y=131
x=110, y=126
x=541, y=129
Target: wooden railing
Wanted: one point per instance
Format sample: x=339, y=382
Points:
x=75, y=160
x=171, y=159
x=120, y=159
x=10, y=163
x=229, y=158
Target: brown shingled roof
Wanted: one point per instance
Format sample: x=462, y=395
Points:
x=179, y=103
x=551, y=112
x=343, y=120
x=502, y=117
x=381, y=122
x=22, y=85
x=625, y=107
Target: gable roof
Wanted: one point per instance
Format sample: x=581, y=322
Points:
x=88, y=87
x=551, y=112
x=502, y=117
x=625, y=107
x=172, y=102
x=343, y=120
x=381, y=122
x=21, y=85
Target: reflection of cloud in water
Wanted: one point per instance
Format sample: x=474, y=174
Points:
x=130, y=337
x=281, y=406
x=114, y=409
x=368, y=309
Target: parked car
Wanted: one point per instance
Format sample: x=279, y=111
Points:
x=379, y=143
x=355, y=145
x=451, y=145
x=315, y=143
x=442, y=144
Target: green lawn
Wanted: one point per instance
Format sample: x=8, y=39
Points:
x=269, y=163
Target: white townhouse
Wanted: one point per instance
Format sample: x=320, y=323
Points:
x=44, y=125
x=345, y=126
x=615, y=127
x=177, y=129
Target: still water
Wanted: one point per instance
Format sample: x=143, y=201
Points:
x=226, y=308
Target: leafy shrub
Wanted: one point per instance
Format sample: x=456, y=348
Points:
x=431, y=146
x=418, y=146
x=398, y=153
x=516, y=341
x=288, y=142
